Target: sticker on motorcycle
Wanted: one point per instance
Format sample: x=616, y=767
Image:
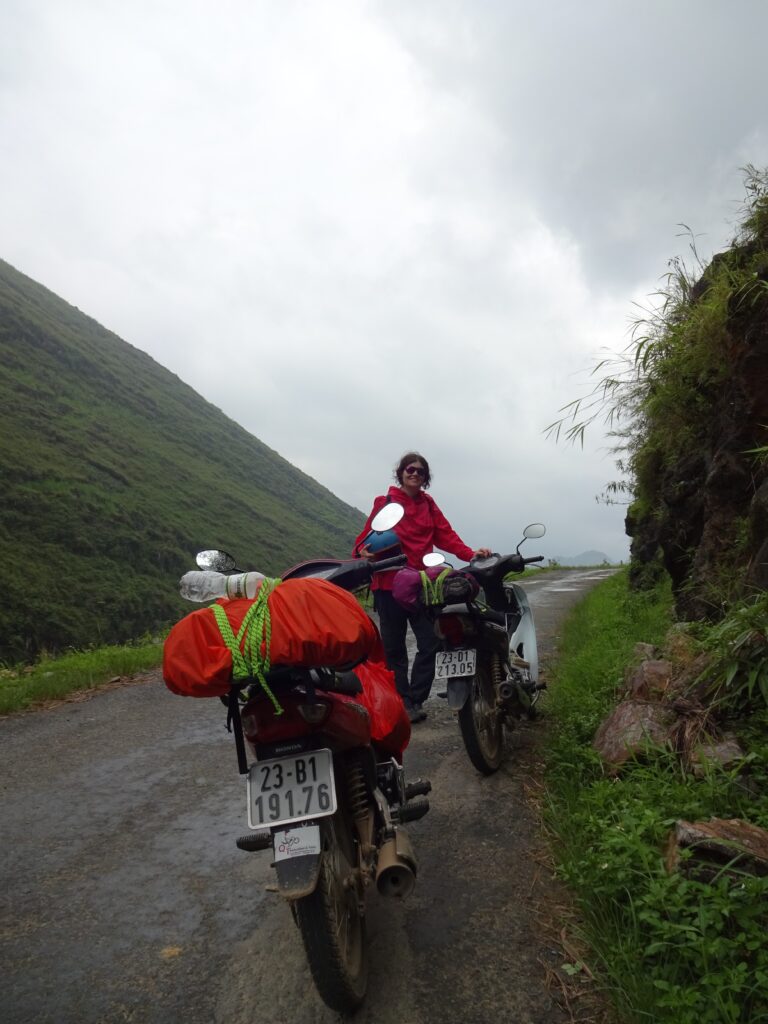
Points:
x=449, y=664
x=291, y=789
x=297, y=842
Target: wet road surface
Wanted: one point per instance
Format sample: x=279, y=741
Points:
x=125, y=899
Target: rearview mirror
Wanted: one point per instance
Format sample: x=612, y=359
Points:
x=534, y=530
x=217, y=561
x=387, y=517
x=433, y=558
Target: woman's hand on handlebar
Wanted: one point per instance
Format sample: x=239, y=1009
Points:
x=364, y=552
x=482, y=553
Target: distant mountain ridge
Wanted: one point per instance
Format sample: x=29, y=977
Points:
x=114, y=472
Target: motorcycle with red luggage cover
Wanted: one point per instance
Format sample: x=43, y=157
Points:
x=321, y=748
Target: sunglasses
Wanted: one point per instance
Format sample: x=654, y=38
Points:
x=415, y=471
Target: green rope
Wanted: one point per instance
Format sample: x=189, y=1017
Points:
x=239, y=668
x=255, y=629
x=432, y=590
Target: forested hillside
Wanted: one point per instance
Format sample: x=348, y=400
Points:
x=114, y=472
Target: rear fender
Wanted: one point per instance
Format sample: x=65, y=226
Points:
x=298, y=876
x=458, y=691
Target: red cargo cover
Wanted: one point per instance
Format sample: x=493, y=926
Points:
x=313, y=623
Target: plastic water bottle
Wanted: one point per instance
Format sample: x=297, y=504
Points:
x=205, y=585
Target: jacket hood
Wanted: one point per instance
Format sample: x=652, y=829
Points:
x=398, y=494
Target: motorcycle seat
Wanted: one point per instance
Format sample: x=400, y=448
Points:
x=339, y=680
x=347, y=682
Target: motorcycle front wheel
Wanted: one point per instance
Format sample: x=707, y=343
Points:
x=332, y=927
x=480, y=723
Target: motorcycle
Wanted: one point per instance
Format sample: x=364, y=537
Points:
x=328, y=801
x=488, y=657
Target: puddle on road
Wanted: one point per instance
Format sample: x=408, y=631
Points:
x=568, y=586
x=546, y=592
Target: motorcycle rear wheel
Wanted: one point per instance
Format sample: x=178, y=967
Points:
x=481, y=726
x=332, y=927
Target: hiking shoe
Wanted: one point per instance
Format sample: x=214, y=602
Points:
x=416, y=714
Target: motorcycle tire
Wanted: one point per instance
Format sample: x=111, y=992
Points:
x=481, y=725
x=332, y=927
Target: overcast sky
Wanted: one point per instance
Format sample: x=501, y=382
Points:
x=364, y=227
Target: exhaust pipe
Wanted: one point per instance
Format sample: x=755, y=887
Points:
x=396, y=867
x=506, y=692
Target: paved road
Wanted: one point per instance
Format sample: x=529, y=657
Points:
x=125, y=899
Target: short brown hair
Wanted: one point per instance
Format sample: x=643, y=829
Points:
x=412, y=457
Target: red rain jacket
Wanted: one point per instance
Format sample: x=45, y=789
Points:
x=422, y=528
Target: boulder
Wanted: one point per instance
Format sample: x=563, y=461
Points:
x=718, y=845
x=644, y=652
x=725, y=752
x=630, y=728
x=649, y=680
x=691, y=680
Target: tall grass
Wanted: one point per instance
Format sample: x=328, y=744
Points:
x=52, y=678
x=668, y=948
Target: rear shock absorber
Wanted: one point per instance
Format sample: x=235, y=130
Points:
x=359, y=805
x=496, y=677
x=358, y=791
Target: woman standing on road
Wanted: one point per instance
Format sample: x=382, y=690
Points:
x=422, y=528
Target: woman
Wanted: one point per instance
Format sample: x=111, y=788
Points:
x=422, y=528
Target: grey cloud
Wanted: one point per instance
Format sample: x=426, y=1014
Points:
x=413, y=235
x=619, y=120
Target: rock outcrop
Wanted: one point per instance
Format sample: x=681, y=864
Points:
x=702, y=512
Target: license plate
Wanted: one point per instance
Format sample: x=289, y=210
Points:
x=289, y=789
x=449, y=664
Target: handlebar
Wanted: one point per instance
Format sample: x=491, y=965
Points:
x=495, y=567
x=388, y=563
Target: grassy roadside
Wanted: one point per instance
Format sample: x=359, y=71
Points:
x=52, y=678
x=667, y=948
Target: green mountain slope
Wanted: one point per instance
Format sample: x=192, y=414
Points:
x=113, y=473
